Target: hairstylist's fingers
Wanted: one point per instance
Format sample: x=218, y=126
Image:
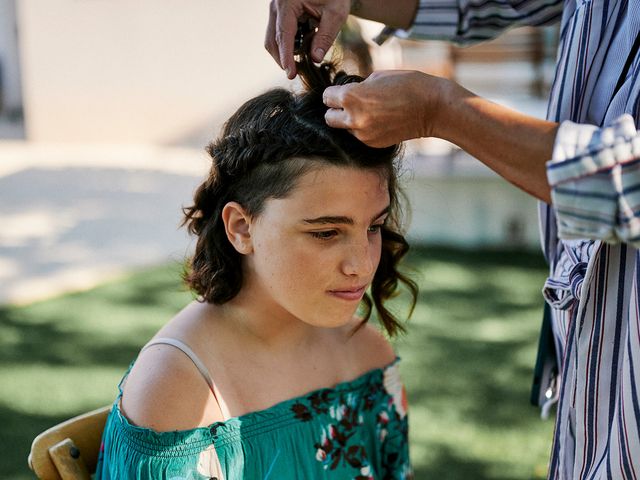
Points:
x=333, y=17
x=338, y=118
x=333, y=97
x=381, y=73
x=286, y=28
x=270, y=36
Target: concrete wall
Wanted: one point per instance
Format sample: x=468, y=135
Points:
x=470, y=212
x=143, y=71
x=455, y=200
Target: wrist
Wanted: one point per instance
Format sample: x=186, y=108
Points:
x=441, y=108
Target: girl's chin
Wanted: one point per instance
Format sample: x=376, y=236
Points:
x=334, y=321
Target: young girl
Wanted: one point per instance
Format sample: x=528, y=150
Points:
x=274, y=373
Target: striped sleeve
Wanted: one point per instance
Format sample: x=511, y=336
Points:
x=469, y=21
x=595, y=181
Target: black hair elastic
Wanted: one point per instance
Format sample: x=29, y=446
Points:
x=304, y=33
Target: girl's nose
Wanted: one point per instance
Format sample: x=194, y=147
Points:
x=359, y=260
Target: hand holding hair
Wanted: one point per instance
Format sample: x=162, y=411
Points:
x=387, y=108
x=393, y=106
x=330, y=16
x=284, y=16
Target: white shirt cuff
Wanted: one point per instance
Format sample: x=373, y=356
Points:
x=595, y=181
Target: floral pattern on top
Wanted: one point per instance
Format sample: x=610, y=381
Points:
x=339, y=444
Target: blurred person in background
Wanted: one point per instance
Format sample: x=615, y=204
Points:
x=582, y=163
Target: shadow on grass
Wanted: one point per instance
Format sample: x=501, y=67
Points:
x=468, y=363
x=449, y=465
x=17, y=433
x=47, y=343
x=105, y=326
x=478, y=258
x=480, y=378
x=461, y=300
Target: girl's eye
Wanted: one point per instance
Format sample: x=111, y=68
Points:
x=324, y=235
x=373, y=229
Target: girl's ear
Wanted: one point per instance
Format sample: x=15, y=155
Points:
x=236, y=224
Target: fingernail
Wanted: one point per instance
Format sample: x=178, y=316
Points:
x=288, y=71
x=318, y=53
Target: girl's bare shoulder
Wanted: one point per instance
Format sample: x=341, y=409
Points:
x=164, y=390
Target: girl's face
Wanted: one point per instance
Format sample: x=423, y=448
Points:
x=315, y=252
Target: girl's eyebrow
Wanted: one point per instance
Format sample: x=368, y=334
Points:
x=341, y=219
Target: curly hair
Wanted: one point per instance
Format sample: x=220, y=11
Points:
x=264, y=148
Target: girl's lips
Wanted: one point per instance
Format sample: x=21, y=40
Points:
x=351, y=294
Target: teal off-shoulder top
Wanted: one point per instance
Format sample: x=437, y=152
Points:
x=355, y=430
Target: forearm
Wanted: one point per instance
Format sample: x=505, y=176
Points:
x=514, y=145
x=393, y=106
x=400, y=16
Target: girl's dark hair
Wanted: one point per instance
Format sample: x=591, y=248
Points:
x=264, y=148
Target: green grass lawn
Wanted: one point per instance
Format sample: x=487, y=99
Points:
x=467, y=361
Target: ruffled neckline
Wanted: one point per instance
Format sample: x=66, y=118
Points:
x=229, y=430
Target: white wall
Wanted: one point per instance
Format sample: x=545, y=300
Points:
x=455, y=200
x=472, y=212
x=139, y=71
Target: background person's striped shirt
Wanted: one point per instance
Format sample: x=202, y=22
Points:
x=593, y=287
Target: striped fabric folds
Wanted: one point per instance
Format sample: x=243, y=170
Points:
x=591, y=234
x=466, y=22
x=595, y=180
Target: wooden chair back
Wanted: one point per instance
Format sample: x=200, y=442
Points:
x=69, y=450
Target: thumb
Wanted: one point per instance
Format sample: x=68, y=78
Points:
x=330, y=24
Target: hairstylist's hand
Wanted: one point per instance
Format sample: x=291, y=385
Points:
x=283, y=24
x=386, y=108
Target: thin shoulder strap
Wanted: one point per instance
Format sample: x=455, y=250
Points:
x=199, y=365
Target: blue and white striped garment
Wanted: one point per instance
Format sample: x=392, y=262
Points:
x=593, y=287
